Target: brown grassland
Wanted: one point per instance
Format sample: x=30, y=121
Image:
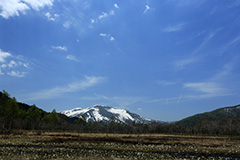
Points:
x=65, y=145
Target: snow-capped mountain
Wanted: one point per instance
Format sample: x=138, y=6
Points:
x=103, y=113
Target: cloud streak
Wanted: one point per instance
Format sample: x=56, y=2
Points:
x=206, y=89
x=87, y=82
x=72, y=58
x=147, y=8
x=105, y=15
x=175, y=28
x=60, y=48
x=183, y=63
x=17, y=74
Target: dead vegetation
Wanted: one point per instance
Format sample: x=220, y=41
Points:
x=66, y=145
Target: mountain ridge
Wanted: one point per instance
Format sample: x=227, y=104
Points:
x=219, y=114
x=105, y=113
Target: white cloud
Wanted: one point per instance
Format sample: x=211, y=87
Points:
x=116, y=6
x=72, y=57
x=181, y=64
x=12, y=64
x=88, y=81
x=92, y=20
x=17, y=74
x=104, y=14
x=51, y=17
x=112, y=38
x=103, y=34
x=206, y=89
x=3, y=66
x=61, y=48
x=4, y=55
x=26, y=65
x=175, y=28
x=67, y=24
x=206, y=40
x=8, y=62
x=146, y=9
x=111, y=13
x=10, y=8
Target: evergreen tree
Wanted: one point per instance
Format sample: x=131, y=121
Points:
x=33, y=117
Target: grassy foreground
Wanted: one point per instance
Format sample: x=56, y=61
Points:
x=59, y=145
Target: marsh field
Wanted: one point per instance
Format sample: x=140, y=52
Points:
x=66, y=145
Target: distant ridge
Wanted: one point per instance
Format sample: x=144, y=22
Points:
x=220, y=114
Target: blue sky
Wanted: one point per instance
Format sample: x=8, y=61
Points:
x=164, y=60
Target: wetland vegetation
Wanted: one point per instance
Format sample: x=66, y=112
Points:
x=67, y=145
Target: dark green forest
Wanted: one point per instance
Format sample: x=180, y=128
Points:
x=19, y=116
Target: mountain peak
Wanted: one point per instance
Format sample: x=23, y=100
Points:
x=104, y=113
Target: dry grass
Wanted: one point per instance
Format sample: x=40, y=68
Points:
x=65, y=145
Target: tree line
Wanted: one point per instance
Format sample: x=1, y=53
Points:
x=18, y=116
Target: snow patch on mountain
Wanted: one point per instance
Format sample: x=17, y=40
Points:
x=103, y=113
x=122, y=114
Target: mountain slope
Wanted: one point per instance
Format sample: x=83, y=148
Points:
x=103, y=113
x=220, y=114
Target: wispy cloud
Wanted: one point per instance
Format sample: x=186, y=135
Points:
x=206, y=89
x=61, y=48
x=109, y=36
x=4, y=55
x=206, y=40
x=104, y=14
x=8, y=62
x=120, y=101
x=179, y=99
x=12, y=64
x=116, y=5
x=88, y=81
x=147, y=8
x=175, y=28
x=183, y=63
x=103, y=34
x=230, y=44
x=10, y=8
x=17, y=74
x=72, y=58
x=67, y=24
x=51, y=17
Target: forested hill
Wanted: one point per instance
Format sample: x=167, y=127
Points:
x=16, y=115
x=224, y=120
x=221, y=115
